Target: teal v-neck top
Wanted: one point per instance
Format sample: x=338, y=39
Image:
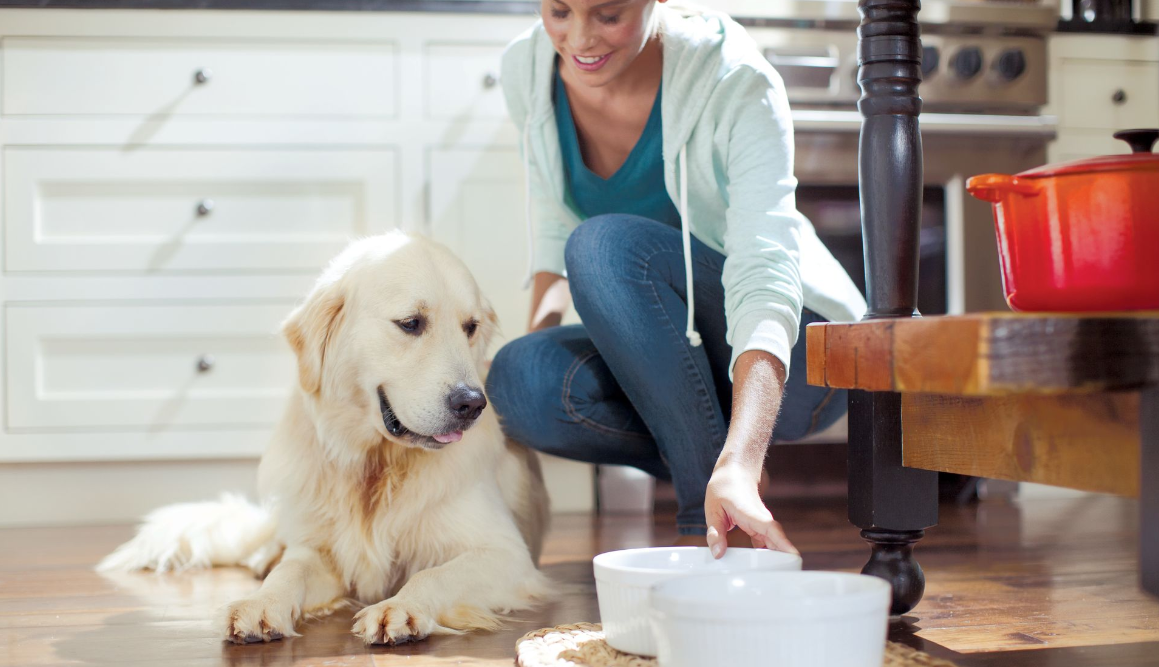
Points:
x=637, y=187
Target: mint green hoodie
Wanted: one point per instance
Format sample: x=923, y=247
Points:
x=728, y=167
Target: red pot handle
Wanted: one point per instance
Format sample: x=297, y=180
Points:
x=991, y=187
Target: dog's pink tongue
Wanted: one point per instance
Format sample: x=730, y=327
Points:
x=453, y=436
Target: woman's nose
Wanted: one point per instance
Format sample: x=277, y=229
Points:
x=580, y=38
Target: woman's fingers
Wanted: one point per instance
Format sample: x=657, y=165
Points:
x=716, y=542
x=758, y=522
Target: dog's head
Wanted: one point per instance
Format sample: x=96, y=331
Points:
x=391, y=342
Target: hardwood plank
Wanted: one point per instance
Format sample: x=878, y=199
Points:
x=1035, y=584
x=991, y=353
x=1087, y=442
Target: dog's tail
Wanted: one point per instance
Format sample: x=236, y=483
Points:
x=230, y=531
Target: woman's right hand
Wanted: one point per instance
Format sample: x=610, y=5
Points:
x=550, y=298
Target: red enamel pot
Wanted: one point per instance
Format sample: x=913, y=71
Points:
x=1080, y=236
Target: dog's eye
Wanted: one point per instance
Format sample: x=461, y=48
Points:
x=411, y=325
x=470, y=327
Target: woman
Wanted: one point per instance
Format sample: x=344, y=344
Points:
x=658, y=148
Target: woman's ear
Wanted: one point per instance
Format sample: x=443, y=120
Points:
x=308, y=330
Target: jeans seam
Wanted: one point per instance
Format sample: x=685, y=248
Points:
x=569, y=407
x=690, y=363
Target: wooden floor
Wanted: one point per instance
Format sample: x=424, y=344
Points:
x=1050, y=582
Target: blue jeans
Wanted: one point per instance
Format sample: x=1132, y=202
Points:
x=626, y=387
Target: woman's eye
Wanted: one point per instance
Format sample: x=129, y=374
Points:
x=412, y=325
x=470, y=327
x=559, y=13
x=609, y=20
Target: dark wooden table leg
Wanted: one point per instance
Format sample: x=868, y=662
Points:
x=1149, y=490
x=891, y=504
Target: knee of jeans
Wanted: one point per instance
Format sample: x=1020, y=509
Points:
x=521, y=394
x=595, y=246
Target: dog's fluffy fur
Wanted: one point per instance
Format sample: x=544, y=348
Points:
x=360, y=501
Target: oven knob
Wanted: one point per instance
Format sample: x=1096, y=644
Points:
x=967, y=62
x=930, y=58
x=1010, y=64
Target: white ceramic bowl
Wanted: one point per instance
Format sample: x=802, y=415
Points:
x=623, y=580
x=772, y=619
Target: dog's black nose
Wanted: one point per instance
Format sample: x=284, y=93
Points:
x=465, y=402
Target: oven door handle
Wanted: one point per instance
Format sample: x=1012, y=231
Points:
x=1035, y=127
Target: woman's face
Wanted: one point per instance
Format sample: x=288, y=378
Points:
x=598, y=39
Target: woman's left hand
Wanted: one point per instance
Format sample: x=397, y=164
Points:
x=732, y=501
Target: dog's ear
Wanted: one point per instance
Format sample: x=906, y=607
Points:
x=308, y=330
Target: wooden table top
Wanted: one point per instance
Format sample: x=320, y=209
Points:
x=988, y=354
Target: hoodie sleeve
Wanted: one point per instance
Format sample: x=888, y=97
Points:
x=762, y=277
x=547, y=220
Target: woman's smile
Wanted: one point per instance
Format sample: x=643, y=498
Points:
x=590, y=63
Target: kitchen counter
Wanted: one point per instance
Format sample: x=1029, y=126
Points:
x=459, y=6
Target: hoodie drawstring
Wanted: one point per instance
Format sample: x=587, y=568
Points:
x=527, y=204
x=690, y=331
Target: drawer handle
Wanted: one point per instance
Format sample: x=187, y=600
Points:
x=203, y=75
x=205, y=207
x=489, y=80
x=205, y=363
x=1119, y=97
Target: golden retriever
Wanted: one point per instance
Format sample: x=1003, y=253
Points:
x=388, y=481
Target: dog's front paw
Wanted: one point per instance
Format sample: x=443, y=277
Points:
x=256, y=619
x=392, y=622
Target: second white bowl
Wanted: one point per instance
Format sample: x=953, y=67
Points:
x=623, y=580
x=773, y=619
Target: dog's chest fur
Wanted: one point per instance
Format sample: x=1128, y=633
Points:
x=370, y=540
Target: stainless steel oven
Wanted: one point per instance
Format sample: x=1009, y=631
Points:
x=984, y=85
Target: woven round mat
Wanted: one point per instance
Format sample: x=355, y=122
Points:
x=583, y=645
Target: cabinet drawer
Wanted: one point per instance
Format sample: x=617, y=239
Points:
x=1091, y=94
x=463, y=184
x=82, y=75
x=156, y=210
x=463, y=81
x=146, y=366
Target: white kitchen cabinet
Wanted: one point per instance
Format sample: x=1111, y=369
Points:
x=1100, y=84
x=157, y=228
x=155, y=209
x=463, y=81
x=142, y=75
x=146, y=367
x=1097, y=94
x=472, y=190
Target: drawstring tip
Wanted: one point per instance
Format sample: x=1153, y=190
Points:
x=693, y=337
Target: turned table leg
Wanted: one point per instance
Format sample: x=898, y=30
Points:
x=1149, y=490
x=891, y=504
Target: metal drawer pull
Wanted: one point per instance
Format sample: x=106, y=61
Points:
x=203, y=75
x=205, y=207
x=489, y=80
x=205, y=363
x=1119, y=97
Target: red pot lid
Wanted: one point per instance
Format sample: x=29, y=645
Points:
x=1141, y=159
